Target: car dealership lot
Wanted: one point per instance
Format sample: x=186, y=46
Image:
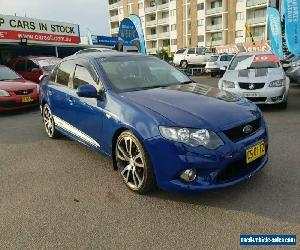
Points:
x=59, y=194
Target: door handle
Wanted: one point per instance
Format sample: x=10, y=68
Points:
x=71, y=100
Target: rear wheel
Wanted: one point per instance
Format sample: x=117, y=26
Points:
x=283, y=105
x=49, y=122
x=133, y=164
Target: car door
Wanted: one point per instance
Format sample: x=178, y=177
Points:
x=87, y=113
x=191, y=56
x=59, y=94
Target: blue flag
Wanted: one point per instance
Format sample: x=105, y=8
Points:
x=275, y=32
x=139, y=28
x=292, y=25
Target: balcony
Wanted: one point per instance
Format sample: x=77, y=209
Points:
x=257, y=39
x=150, y=9
x=164, y=34
x=214, y=27
x=257, y=20
x=162, y=6
x=114, y=5
x=214, y=11
x=163, y=21
x=114, y=18
x=115, y=30
x=256, y=3
x=216, y=43
x=151, y=37
x=150, y=23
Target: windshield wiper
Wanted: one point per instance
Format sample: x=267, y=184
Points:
x=187, y=82
x=153, y=87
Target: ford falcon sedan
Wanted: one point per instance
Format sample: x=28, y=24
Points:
x=159, y=128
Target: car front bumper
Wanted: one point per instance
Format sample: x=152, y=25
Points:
x=294, y=74
x=15, y=102
x=218, y=168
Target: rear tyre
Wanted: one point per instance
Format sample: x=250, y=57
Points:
x=283, y=105
x=133, y=164
x=184, y=64
x=49, y=123
x=213, y=74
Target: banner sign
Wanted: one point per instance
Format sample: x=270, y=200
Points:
x=292, y=25
x=139, y=28
x=104, y=40
x=258, y=47
x=13, y=29
x=228, y=49
x=275, y=33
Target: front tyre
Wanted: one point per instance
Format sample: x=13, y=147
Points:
x=133, y=164
x=49, y=122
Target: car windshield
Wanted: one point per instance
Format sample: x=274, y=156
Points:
x=213, y=58
x=7, y=74
x=254, y=62
x=48, y=64
x=139, y=72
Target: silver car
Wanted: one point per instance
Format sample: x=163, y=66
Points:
x=258, y=76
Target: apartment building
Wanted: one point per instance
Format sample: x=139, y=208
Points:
x=191, y=23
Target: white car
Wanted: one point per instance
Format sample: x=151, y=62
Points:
x=216, y=62
x=258, y=76
x=191, y=56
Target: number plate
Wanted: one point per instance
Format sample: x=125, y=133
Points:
x=27, y=99
x=255, y=152
x=251, y=94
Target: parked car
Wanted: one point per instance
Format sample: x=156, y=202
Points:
x=293, y=71
x=216, y=62
x=16, y=92
x=88, y=50
x=191, y=56
x=257, y=76
x=32, y=67
x=159, y=127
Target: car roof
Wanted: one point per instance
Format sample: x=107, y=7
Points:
x=36, y=57
x=255, y=53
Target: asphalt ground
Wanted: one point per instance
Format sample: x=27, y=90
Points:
x=57, y=194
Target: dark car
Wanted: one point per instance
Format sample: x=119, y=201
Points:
x=32, y=67
x=158, y=126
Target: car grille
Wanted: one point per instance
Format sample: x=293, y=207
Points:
x=239, y=168
x=236, y=134
x=257, y=99
x=13, y=104
x=24, y=92
x=251, y=86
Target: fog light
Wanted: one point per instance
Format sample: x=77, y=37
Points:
x=189, y=175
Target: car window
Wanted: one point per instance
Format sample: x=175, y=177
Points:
x=8, y=74
x=200, y=51
x=257, y=62
x=64, y=71
x=135, y=73
x=53, y=74
x=181, y=51
x=191, y=51
x=20, y=66
x=213, y=58
x=81, y=77
x=31, y=65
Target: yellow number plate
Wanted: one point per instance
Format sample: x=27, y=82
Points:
x=255, y=152
x=27, y=99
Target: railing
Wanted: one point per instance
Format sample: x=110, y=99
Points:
x=151, y=23
x=214, y=11
x=162, y=6
x=163, y=21
x=257, y=20
x=115, y=5
x=252, y=3
x=151, y=37
x=164, y=34
x=214, y=27
x=150, y=9
x=114, y=18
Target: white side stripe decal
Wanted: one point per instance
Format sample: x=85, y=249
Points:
x=71, y=129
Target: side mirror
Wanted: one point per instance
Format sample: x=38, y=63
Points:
x=88, y=91
x=224, y=68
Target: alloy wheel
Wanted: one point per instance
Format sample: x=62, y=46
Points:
x=48, y=121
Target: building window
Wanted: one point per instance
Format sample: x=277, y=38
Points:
x=200, y=39
x=200, y=6
x=173, y=41
x=239, y=33
x=141, y=5
x=173, y=27
x=172, y=12
x=240, y=16
x=200, y=22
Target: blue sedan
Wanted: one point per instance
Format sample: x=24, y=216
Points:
x=158, y=127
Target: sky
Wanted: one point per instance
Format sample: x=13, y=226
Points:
x=91, y=15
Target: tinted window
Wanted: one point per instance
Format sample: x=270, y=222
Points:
x=64, y=72
x=213, y=58
x=136, y=73
x=8, y=74
x=31, y=65
x=181, y=51
x=20, y=66
x=191, y=51
x=82, y=76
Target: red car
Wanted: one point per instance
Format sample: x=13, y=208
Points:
x=32, y=67
x=15, y=91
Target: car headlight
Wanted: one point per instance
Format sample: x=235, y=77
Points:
x=277, y=83
x=228, y=84
x=4, y=93
x=192, y=137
